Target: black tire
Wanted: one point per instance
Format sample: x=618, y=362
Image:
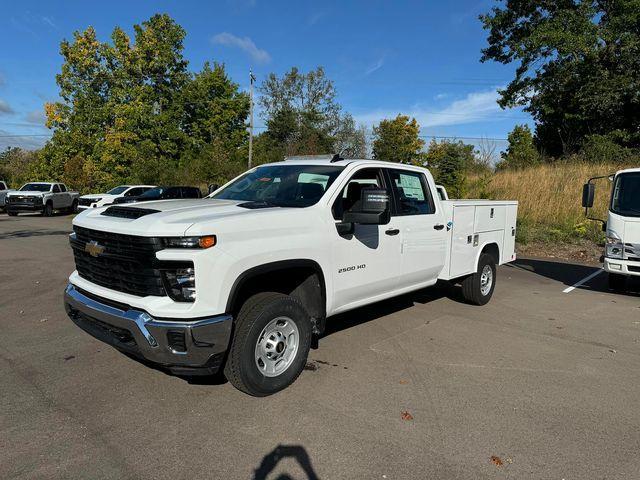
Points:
x=12, y=214
x=255, y=315
x=472, y=286
x=74, y=207
x=48, y=210
x=617, y=282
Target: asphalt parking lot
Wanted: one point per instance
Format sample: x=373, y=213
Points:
x=538, y=384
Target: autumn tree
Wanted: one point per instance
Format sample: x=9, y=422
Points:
x=131, y=111
x=398, y=140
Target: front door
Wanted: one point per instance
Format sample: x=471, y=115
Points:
x=422, y=225
x=366, y=262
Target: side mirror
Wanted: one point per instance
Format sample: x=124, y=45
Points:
x=213, y=187
x=371, y=209
x=588, y=193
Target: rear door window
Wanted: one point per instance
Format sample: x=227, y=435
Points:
x=411, y=193
x=56, y=188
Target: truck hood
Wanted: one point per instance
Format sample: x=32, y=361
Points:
x=26, y=193
x=173, y=217
x=91, y=196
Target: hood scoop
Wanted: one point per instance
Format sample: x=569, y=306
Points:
x=128, y=212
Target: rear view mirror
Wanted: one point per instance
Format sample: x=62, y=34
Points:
x=213, y=187
x=371, y=209
x=588, y=193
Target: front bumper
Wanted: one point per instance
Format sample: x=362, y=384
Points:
x=183, y=347
x=623, y=267
x=23, y=207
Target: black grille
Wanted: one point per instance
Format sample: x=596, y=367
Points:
x=127, y=263
x=176, y=340
x=128, y=212
x=85, y=202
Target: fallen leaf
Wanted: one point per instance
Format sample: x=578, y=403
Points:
x=70, y=357
x=42, y=320
x=311, y=366
x=496, y=461
x=404, y=382
x=406, y=416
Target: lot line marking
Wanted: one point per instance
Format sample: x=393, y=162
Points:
x=583, y=281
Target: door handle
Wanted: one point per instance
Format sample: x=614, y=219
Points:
x=392, y=231
x=438, y=226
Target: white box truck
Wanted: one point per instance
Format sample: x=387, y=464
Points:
x=622, y=227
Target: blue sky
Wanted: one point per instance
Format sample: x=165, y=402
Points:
x=386, y=57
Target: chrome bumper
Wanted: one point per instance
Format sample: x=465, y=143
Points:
x=200, y=344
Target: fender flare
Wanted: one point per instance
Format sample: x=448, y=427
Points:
x=480, y=250
x=273, y=267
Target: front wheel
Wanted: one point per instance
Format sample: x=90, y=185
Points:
x=12, y=214
x=477, y=288
x=48, y=210
x=270, y=344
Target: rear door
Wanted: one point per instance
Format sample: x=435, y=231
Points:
x=57, y=197
x=366, y=262
x=422, y=225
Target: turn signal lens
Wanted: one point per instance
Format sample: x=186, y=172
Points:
x=207, y=242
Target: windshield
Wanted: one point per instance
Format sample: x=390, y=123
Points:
x=117, y=190
x=626, y=195
x=154, y=192
x=36, y=187
x=282, y=185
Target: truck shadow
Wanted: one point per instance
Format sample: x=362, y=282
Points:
x=570, y=273
x=383, y=308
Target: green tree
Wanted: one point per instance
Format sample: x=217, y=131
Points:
x=303, y=117
x=577, y=67
x=398, y=140
x=131, y=111
x=449, y=162
x=521, y=151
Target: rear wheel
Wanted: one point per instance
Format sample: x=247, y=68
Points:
x=270, y=344
x=478, y=287
x=74, y=207
x=617, y=282
x=12, y=214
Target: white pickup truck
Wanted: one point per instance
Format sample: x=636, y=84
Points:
x=103, y=199
x=245, y=278
x=4, y=189
x=622, y=227
x=43, y=197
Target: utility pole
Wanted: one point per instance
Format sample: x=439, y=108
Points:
x=251, y=80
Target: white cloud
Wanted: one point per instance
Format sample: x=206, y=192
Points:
x=377, y=65
x=476, y=106
x=243, y=43
x=36, y=117
x=7, y=139
x=5, y=108
x=49, y=21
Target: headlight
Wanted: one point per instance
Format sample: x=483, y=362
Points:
x=180, y=284
x=613, y=247
x=190, y=242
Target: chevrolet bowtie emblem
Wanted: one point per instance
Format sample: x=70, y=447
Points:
x=93, y=248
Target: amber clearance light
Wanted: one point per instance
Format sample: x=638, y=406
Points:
x=207, y=241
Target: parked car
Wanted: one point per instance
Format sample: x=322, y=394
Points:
x=162, y=193
x=43, y=197
x=103, y=199
x=622, y=227
x=4, y=189
x=242, y=280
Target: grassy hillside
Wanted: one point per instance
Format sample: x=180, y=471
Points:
x=550, y=198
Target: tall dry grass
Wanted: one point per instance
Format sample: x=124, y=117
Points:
x=549, y=197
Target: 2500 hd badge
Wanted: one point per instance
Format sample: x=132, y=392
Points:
x=351, y=268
